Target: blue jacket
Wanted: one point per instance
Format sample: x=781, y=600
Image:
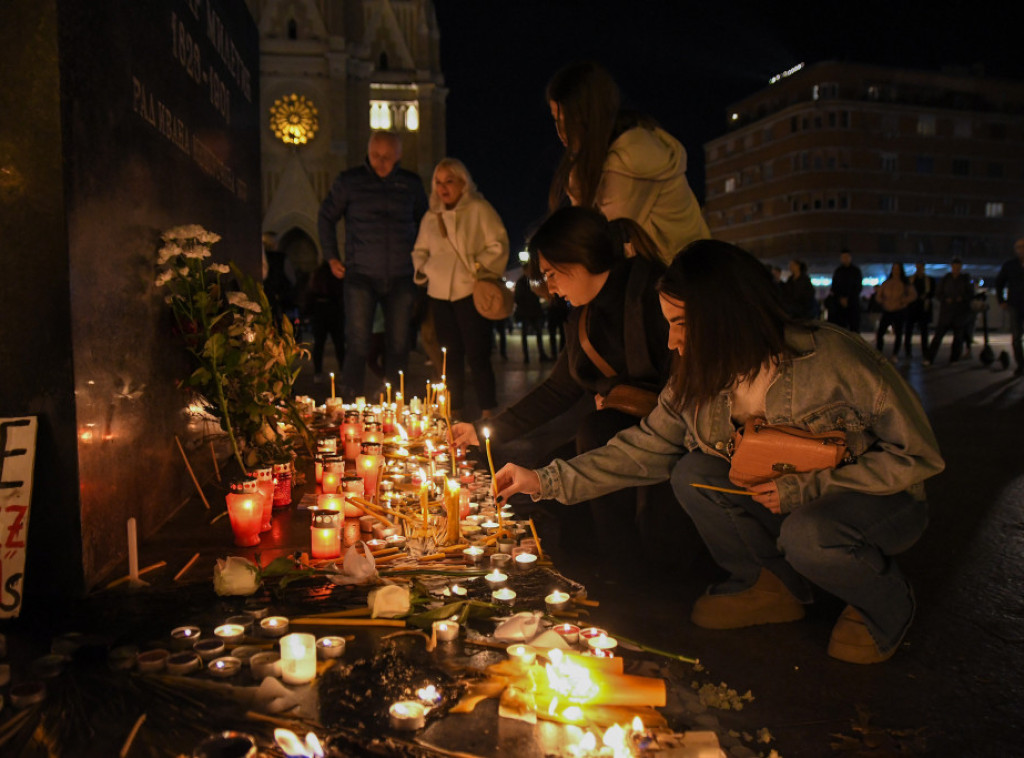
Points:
x=382, y=218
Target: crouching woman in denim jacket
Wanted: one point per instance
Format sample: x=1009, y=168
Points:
x=741, y=357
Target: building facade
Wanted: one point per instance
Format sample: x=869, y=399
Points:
x=894, y=165
x=331, y=72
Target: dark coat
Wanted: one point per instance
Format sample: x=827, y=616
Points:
x=382, y=218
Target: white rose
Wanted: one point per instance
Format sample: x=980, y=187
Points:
x=389, y=601
x=235, y=576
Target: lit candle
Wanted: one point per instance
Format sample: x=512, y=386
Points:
x=525, y=561
x=184, y=636
x=568, y=632
x=401, y=383
x=490, y=466
x=591, y=631
x=229, y=634
x=504, y=596
x=473, y=555
x=407, y=715
x=446, y=631
x=368, y=465
x=224, y=666
x=524, y=654
x=325, y=541
x=265, y=485
x=246, y=517
x=332, y=384
x=330, y=481
x=457, y=590
x=496, y=579
x=557, y=601
x=602, y=642
x=298, y=658
x=274, y=626
x=330, y=647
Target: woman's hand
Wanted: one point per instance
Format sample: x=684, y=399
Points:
x=768, y=496
x=464, y=434
x=511, y=479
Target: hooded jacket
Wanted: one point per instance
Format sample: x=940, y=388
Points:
x=644, y=178
x=456, y=247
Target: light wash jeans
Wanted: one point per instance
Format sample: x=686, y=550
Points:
x=843, y=543
x=398, y=299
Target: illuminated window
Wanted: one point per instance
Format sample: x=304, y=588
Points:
x=730, y=184
x=993, y=210
x=401, y=115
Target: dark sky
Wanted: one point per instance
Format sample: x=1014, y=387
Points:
x=683, y=62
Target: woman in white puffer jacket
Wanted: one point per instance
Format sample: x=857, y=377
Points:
x=461, y=239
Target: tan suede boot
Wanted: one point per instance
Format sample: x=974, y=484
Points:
x=852, y=642
x=769, y=601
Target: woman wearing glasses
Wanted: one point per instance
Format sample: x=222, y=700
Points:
x=615, y=335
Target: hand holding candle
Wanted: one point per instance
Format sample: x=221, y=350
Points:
x=513, y=479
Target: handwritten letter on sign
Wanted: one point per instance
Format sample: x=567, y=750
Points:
x=17, y=456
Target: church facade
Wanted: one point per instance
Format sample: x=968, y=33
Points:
x=331, y=73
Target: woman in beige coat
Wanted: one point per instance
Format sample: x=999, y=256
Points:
x=893, y=296
x=461, y=239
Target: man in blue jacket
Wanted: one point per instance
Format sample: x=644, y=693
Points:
x=382, y=204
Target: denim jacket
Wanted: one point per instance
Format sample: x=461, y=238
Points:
x=833, y=381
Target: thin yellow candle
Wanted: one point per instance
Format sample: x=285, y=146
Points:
x=429, y=399
x=490, y=465
x=424, y=499
x=387, y=386
x=401, y=383
x=444, y=361
x=332, y=385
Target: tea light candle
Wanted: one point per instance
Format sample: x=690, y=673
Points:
x=505, y=545
x=274, y=626
x=153, y=660
x=446, y=631
x=181, y=664
x=243, y=621
x=600, y=653
x=330, y=647
x=298, y=658
x=556, y=601
x=208, y=649
x=366, y=524
x=457, y=590
x=224, y=667
x=602, y=642
x=591, y=631
x=500, y=561
x=489, y=527
x=568, y=632
x=229, y=634
x=407, y=715
x=265, y=664
x=473, y=555
x=504, y=596
x=395, y=540
x=496, y=579
x=524, y=654
x=376, y=545
x=255, y=609
x=525, y=562
x=185, y=636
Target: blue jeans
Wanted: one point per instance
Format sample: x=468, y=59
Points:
x=841, y=542
x=362, y=294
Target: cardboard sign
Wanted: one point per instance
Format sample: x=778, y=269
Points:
x=17, y=458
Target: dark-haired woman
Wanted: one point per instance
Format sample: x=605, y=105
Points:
x=623, y=164
x=740, y=358
x=615, y=317
x=798, y=293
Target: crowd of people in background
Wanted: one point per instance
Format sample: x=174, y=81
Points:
x=678, y=343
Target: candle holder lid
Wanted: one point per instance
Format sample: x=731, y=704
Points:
x=325, y=519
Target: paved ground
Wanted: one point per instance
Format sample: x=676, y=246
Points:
x=956, y=687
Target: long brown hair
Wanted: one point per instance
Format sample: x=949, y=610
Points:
x=735, y=320
x=575, y=234
x=588, y=99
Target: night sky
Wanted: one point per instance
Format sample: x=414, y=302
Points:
x=683, y=62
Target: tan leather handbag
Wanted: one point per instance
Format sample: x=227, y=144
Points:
x=762, y=452
x=635, y=401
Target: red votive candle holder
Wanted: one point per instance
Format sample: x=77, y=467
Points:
x=245, y=511
x=282, y=484
x=325, y=541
